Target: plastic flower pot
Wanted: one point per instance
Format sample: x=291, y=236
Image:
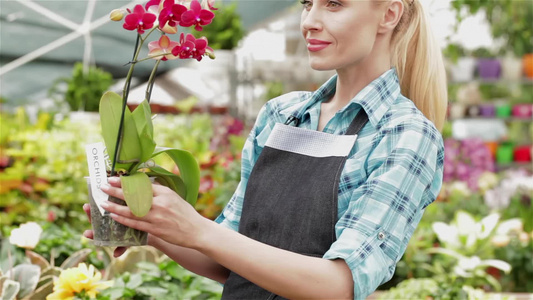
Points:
x=503, y=110
x=504, y=153
x=493, y=148
x=487, y=110
x=511, y=68
x=473, y=111
x=464, y=69
x=110, y=233
x=527, y=62
x=457, y=111
x=523, y=111
x=489, y=68
x=522, y=154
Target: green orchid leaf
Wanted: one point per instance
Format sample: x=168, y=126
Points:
x=142, y=116
x=168, y=179
x=137, y=193
x=189, y=170
x=110, y=112
x=147, y=144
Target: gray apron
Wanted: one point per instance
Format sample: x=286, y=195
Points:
x=291, y=196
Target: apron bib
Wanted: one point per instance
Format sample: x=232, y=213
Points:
x=290, y=200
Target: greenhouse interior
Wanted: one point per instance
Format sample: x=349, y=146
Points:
x=71, y=68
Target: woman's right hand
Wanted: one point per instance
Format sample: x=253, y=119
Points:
x=90, y=234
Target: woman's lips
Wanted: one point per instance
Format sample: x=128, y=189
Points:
x=316, y=45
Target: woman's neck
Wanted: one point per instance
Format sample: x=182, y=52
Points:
x=352, y=79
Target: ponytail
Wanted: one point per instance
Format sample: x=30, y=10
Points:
x=418, y=61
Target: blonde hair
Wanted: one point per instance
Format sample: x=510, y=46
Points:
x=419, y=63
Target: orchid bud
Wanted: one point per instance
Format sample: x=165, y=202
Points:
x=116, y=15
x=208, y=4
x=209, y=52
x=169, y=29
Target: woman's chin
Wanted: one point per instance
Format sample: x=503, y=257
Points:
x=320, y=66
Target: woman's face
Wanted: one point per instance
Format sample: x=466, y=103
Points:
x=339, y=33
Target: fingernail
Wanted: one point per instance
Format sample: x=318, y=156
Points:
x=105, y=187
x=104, y=204
x=113, y=180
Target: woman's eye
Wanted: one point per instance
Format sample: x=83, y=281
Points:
x=333, y=4
x=306, y=4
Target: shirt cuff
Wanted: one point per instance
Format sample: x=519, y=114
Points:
x=363, y=254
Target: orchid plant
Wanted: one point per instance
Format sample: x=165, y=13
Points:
x=128, y=135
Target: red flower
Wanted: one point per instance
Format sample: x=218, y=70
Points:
x=171, y=13
x=139, y=19
x=196, y=16
x=191, y=47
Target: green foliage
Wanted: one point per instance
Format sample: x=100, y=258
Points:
x=273, y=89
x=226, y=30
x=519, y=255
x=508, y=19
x=84, y=88
x=454, y=51
x=166, y=280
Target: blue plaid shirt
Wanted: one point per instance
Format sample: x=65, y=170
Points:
x=392, y=174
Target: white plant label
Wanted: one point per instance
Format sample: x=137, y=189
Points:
x=97, y=172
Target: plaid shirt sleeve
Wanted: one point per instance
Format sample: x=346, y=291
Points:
x=404, y=175
x=231, y=215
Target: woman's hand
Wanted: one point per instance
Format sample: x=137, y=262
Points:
x=171, y=218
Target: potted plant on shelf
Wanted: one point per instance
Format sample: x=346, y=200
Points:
x=128, y=135
x=488, y=66
x=462, y=65
x=509, y=21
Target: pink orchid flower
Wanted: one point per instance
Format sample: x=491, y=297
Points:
x=196, y=16
x=139, y=19
x=191, y=47
x=171, y=14
x=164, y=45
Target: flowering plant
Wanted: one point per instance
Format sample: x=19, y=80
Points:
x=466, y=161
x=128, y=135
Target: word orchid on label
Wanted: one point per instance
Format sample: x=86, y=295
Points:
x=128, y=135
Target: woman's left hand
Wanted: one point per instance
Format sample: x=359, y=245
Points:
x=171, y=218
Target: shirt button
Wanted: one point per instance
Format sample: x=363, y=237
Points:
x=381, y=235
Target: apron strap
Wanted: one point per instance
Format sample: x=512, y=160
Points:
x=355, y=126
x=357, y=123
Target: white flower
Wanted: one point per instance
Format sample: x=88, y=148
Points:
x=26, y=236
x=511, y=225
x=523, y=237
x=447, y=234
x=500, y=240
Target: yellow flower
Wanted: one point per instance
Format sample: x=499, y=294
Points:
x=75, y=280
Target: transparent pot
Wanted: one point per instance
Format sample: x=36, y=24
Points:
x=110, y=233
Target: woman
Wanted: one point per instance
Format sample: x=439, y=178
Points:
x=334, y=182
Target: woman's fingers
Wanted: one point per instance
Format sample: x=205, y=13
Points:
x=114, y=181
x=121, y=210
x=87, y=209
x=113, y=191
x=133, y=223
x=88, y=234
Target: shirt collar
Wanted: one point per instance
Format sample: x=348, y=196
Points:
x=376, y=98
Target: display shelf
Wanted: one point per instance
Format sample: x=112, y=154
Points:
x=510, y=119
x=514, y=165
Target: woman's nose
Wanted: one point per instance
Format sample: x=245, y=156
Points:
x=311, y=20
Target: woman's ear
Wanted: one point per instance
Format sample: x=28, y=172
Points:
x=392, y=15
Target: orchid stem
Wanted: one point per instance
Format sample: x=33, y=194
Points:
x=151, y=82
x=125, y=92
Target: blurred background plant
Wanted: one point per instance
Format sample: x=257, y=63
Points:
x=83, y=90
